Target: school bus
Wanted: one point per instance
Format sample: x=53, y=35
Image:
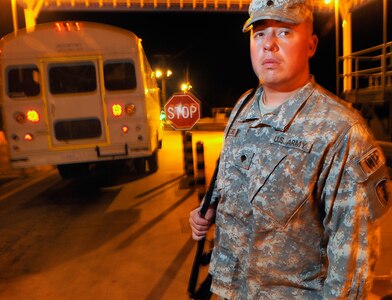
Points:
x=74, y=94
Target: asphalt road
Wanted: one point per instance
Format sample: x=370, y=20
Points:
x=115, y=235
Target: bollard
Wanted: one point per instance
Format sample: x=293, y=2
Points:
x=188, y=159
x=201, y=177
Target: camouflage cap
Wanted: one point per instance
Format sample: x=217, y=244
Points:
x=290, y=11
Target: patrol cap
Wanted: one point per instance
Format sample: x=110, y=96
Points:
x=289, y=11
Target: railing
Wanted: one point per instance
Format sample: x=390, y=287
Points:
x=208, y=5
x=237, y=5
x=371, y=68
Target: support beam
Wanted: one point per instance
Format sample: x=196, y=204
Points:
x=14, y=16
x=347, y=51
x=31, y=13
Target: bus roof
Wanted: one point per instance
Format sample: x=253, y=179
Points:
x=68, y=38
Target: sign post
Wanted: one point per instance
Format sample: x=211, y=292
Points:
x=182, y=111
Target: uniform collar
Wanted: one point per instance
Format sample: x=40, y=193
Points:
x=282, y=115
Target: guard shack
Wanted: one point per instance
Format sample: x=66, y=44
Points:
x=364, y=79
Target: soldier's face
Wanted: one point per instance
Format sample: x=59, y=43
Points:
x=280, y=53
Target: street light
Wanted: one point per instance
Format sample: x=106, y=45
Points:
x=186, y=86
x=162, y=75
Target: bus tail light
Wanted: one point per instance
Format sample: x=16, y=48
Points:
x=116, y=110
x=33, y=116
x=125, y=128
x=130, y=108
x=20, y=117
x=28, y=137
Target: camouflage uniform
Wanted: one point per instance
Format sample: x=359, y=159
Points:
x=299, y=191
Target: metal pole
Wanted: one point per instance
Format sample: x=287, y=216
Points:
x=384, y=46
x=337, y=45
x=14, y=16
x=164, y=89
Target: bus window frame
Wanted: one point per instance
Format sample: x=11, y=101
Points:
x=120, y=61
x=13, y=95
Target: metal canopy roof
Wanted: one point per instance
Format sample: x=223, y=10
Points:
x=199, y=5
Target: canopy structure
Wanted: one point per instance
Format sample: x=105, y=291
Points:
x=341, y=8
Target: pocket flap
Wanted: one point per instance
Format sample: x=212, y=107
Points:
x=263, y=170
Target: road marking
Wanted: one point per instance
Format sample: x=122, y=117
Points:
x=27, y=184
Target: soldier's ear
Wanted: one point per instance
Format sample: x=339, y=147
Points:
x=313, y=41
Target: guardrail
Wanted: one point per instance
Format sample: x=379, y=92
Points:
x=220, y=5
x=371, y=67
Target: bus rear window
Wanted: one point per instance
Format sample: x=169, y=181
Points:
x=23, y=82
x=119, y=76
x=72, y=78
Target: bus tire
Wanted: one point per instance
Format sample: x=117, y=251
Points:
x=73, y=170
x=139, y=164
x=153, y=161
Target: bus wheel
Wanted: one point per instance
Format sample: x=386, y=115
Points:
x=73, y=170
x=153, y=161
x=139, y=164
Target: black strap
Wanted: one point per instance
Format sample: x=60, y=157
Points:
x=203, y=292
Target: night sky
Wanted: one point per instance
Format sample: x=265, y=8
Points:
x=211, y=48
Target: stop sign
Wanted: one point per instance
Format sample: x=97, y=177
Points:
x=182, y=111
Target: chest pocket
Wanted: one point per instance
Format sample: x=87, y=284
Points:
x=263, y=169
x=279, y=187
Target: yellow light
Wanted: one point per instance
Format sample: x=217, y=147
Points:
x=32, y=116
x=169, y=73
x=116, y=110
x=327, y=2
x=28, y=137
x=158, y=73
x=186, y=87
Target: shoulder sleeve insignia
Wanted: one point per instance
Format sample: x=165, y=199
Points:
x=367, y=165
x=371, y=161
x=381, y=204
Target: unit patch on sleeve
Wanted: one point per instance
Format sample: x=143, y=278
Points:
x=371, y=161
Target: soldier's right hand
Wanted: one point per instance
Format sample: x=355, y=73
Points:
x=200, y=225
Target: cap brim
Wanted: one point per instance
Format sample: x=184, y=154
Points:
x=293, y=15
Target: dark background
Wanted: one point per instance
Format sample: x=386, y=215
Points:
x=211, y=50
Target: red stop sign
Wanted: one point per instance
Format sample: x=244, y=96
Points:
x=182, y=111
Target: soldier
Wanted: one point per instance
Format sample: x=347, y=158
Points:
x=301, y=182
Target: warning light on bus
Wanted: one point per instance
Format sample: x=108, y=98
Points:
x=32, y=116
x=117, y=110
x=20, y=117
x=125, y=129
x=67, y=26
x=28, y=137
x=130, y=109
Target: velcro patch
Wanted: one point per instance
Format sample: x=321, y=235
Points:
x=360, y=170
x=370, y=162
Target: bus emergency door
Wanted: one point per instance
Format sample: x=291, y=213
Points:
x=74, y=102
